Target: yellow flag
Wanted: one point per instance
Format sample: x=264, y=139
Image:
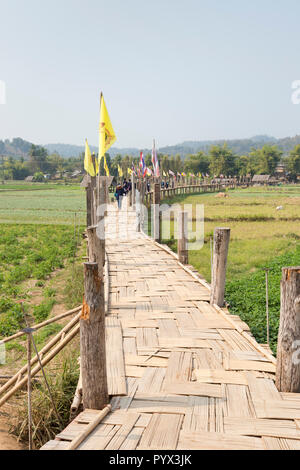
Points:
x=129, y=170
x=96, y=164
x=106, y=166
x=120, y=171
x=88, y=162
x=107, y=135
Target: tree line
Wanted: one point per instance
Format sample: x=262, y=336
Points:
x=38, y=164
x=219, y=160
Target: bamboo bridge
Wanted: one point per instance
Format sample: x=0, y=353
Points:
x=182, y=373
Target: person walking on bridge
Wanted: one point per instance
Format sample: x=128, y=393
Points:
x=119, y=195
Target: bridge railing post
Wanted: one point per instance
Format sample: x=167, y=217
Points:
x=288, y=348
x=182, y=243
x=92, y=340
x=133, y=189
x=88, y=193
x=156, y=214
x=219, y=265
x=96, y=247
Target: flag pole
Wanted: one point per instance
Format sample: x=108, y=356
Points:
x=98, y=176
x=153, y=162
x=101, y=94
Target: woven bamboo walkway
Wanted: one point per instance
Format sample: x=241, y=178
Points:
x=182, y=374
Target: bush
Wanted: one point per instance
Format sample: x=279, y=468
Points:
x=74, y=287
x=44, y=419
x=38, y=177
x=247, y=297
x=46, y=331
x=41, y=312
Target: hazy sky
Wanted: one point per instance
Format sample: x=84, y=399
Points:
x=170, y=69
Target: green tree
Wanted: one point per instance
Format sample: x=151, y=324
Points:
x=198, y=163
x=266, y=159
x=293, y=163
x=178, y=164
x=245, y=165
x=20, y=170
x=148, y=160
x=54, y=163
x=38, y=159
x=222, y=161
x=164, y=164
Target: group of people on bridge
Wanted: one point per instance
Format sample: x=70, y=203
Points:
x=122, y=190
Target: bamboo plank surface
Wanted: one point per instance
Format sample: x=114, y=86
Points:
x=277, y=409
x=197, y=417
x=115, y=357
x=132, y=440
x=220, y=377
x=162, y=433
x=262, y=427
x=237, y=401
x=179, y=368
x=123, y=432
x=195, y=388
x=99, y=438
x=217, y=441
x=251, y=365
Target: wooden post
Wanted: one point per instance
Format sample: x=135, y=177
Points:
x=133, y=189
x=221, y=244
x=156, y=220
x=93, y=198
x=96, y=248
x=102, y=198
x=92, y=340
x=95, y=205
x=183, y=238
x=142, y=203
x=88, y=205
x=288, y=349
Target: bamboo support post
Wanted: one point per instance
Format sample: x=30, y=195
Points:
x=183, y=255
x=288, y=349
x=92, y=340
x=220, y=253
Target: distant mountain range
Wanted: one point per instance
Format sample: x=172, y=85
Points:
x=20, y=148
x=184, y=149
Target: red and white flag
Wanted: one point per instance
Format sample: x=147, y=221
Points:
x=155, y=161
x=143, y=167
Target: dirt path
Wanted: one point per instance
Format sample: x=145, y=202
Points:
x=7, y=441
